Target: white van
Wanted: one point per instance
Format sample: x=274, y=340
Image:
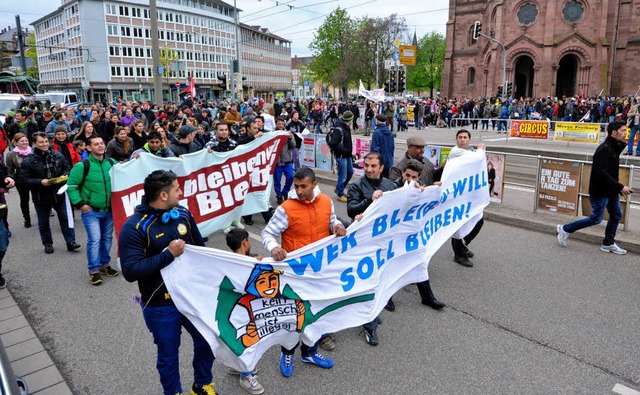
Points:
x=12, y=102
x=65, y=99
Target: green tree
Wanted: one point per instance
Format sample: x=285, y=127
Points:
x=427, y=73
x=168, y=57
x=31, y=53
x=333, y=50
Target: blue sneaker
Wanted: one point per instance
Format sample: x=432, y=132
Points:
x=318, y=360
x=286, y=365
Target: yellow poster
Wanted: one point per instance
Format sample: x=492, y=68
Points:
x=411, y=115
x=577, y=131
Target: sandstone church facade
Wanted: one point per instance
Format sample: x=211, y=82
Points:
x=553, y=48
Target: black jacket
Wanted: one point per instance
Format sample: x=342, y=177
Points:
x=360, y=192
x=33, y=171
x=603, y=181
x=341, y=140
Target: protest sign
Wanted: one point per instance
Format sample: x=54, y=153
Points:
x=559, y=186
x=361, y=147
x=323, y=153
x=577, y=131
x=530, y=129
x=332, y=284
x=308, y=151
x=217, y=187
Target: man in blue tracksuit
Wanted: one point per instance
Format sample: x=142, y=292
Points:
x=382, y=142
x=149, y=241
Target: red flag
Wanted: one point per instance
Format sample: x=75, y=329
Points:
x=191, y=88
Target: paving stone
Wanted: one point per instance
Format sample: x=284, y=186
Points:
x=42, y=379
x=32, y=363
x=13, y=324
x=58, y=389
x=7, y=302
x=17, y=336
x=24, y=349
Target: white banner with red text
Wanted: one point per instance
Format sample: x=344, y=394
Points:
x=217, y=188
x=243, y=305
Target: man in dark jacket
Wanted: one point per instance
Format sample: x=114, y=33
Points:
x=38, y=170
x=604, y=190
x=22, y=124
x=185, y=143
x=382, y=142
x=415, y=150
x=149, y=241
x=342, y=148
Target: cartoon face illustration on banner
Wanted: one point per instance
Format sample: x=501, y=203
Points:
x=263, y=310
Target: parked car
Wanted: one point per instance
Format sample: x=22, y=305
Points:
x=12, y=102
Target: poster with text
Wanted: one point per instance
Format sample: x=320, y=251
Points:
x=495, y=174
x=530, y=129
x=308, y=151
x=559, y=186
x=577, y=131
x=361, y=147
x=432, y=153
x=444, y=155
x=323, y=153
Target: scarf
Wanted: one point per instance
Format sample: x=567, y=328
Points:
x=49, y=163
x=22, y=153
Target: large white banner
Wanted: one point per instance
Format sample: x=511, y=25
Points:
x=376, y=95
x=217, y=187
x=243, y=306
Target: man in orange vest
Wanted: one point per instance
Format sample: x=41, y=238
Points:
x=304, y=218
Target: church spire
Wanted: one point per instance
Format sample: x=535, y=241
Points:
x=415, y=39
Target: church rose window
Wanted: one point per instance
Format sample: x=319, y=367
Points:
x=573, y=11
x=527, y=14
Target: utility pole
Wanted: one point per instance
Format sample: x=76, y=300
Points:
x=155, y=52
x=476, y=34
x=232, y=73
x=23, y=61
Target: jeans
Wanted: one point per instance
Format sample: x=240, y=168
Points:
x=43, y=210
x=345, y=172
x=632, y=134
x=4, y=242
x=287, y=169
x=165, y=323
x=597, y=213
x=318, y=128
x=23, y=191
x=99, y=228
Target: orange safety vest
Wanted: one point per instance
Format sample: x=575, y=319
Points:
x=308, y=222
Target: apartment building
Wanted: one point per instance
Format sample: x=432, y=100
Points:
x=102, y=49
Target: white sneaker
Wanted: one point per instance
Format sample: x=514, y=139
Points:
x=613, y=248
x=562, y=235
x=250, y=383
x=238, y=225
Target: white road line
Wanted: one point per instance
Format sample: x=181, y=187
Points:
x=255, y=237
x=622, y=390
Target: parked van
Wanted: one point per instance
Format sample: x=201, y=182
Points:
x=12, y=102
x=65, y=99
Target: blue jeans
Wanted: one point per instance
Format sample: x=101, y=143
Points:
x=287, y=169
x=597, y=213
x=345, y=172
x=632, y=134
x=4, y=241
x=318, y=128
x=99, y=228
x=165, y=323
x=43, y=210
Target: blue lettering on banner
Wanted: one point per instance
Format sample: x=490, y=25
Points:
x=332, y=253
x=366, y=267
x=314, y=259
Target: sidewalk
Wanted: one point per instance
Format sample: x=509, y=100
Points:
x=28, y=357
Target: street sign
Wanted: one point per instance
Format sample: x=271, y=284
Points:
x=177, y=85
x=408, y=55
x=397, y=42
x=396, y=55
x=307, y=83
x=388, y=63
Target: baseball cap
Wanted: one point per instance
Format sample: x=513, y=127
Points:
x=416, y=140
x=186, y=130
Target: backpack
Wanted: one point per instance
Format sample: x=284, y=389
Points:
x=329, y=137
x=86, y=164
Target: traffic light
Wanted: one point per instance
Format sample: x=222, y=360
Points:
x=477, y=28
x=393, y=80
x=499, y=94
x=402, y=82
x=387, y=87
x=509, y=88
x=224, y=84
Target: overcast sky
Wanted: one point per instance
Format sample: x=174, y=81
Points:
x=297, y=24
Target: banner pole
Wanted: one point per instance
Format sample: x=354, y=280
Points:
x=537, y=190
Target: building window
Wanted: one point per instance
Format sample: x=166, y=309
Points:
x=527, y=14
x=139, y=52
x=136, y=12
x=115, y=71
x=126, y=51
x=125, y=31
x=128, y=71
x=124, y=10
x=114, y=51
x=137, y=32
x=112, y=30
x=110, y=9
x=472, y=76
x=573, y=11
x=145, y=14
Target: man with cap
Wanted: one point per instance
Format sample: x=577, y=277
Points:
x=342, y=148
x=415, y=150
x=185, y=143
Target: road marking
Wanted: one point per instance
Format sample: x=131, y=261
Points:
x=255, y=237
x=622, y=390
x=497, y=139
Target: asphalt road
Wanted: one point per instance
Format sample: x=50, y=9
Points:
x=530, y=318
